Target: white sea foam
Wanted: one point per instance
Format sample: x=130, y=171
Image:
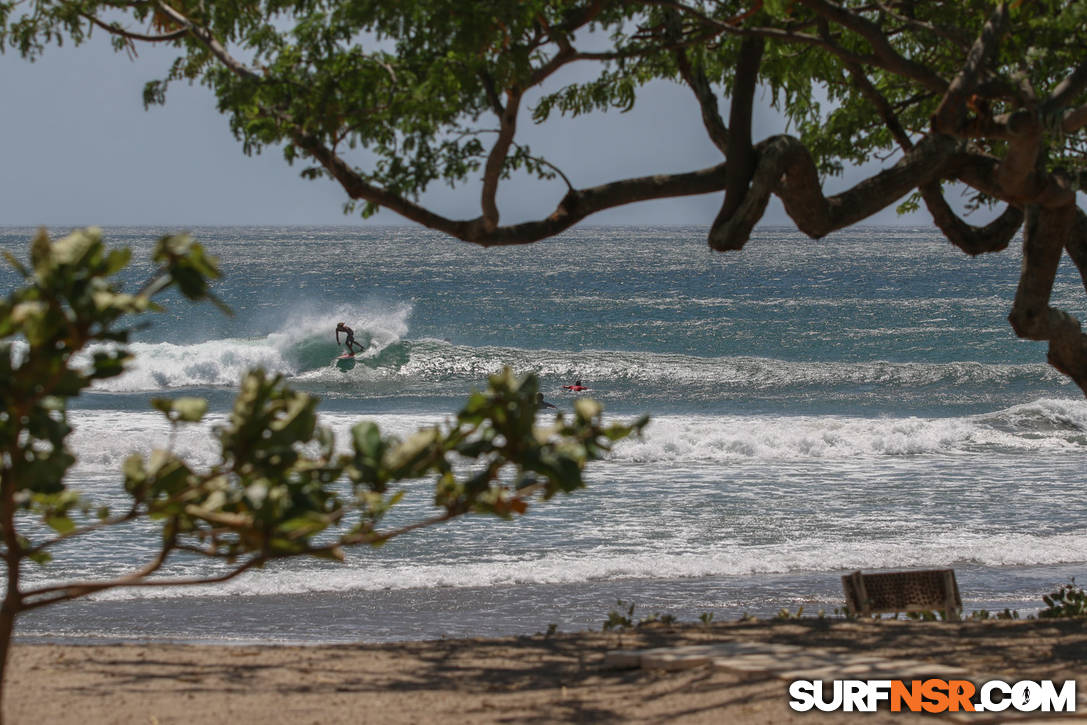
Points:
x=1046, y=425
x=676, y=504
x=216, y=363
x=103, y=438
x=303, y=342
x=568, y=567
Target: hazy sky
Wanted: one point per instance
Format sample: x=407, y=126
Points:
x=80, y=149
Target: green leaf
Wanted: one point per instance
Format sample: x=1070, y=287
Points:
x=190, y=410
x=183, y=409
x=74, y=248
x=333, y=554
x=23, y=271
x=587, y=408
x=60, y=524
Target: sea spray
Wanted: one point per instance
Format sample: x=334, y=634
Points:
x=304, y=343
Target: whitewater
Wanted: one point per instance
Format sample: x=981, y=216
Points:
x=816, y=407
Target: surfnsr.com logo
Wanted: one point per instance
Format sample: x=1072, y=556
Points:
x=932, y=695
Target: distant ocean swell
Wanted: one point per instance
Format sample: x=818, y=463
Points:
x=103, y=439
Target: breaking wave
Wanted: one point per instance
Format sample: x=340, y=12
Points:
x=103, y=438
x=303, y=344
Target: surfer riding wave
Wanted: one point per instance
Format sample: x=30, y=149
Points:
x=349, y=342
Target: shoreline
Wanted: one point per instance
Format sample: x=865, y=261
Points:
x=561, y=678
x=397, y=615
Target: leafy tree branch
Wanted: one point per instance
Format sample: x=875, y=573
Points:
x=993, y=96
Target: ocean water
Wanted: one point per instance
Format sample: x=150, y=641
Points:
x=857, y=402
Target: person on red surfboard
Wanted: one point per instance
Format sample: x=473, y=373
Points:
x=577, y=387
x=349, y=341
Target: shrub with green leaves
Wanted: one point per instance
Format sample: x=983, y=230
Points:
x=1067, y=602
x=278, y=488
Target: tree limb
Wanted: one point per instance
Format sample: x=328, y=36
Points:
x=1047, y=233
x=1076, y=246
x=496, y=160
x=492, y=93
x=209, y=41
x=116, y=29
x=574, y=206
x=566, y=54
x=77, y=590
x=1008, y=126
x=544, y=162
x=785, y=168
x=951, y=112
x=890, y=58
x=370, y=537
x=740, y=153
x=1018, y=172
x=1043, y=241
x=993, y=237
x=883, y=108
x=978, y=171
x=695, y=78
x=64, y=592
x=1074, y=119
x=886, y=58
x=90, y=528
x=1068, y=89
x=955, y=35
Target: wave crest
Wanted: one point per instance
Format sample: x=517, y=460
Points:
x=303, y=343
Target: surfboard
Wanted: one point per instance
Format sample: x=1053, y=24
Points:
x=575, y=388
x=345, y=361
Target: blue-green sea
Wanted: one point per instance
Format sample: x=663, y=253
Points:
x=818, y=406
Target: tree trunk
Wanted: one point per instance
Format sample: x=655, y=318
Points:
x=8, y=610
x=13, y=558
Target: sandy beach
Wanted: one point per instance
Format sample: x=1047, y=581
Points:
x=561, y=678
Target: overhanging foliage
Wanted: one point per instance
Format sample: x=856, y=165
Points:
x=988, y=95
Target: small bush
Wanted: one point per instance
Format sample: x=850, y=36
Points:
x=617, y=620
x=1068, y=602
x=985, y=614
